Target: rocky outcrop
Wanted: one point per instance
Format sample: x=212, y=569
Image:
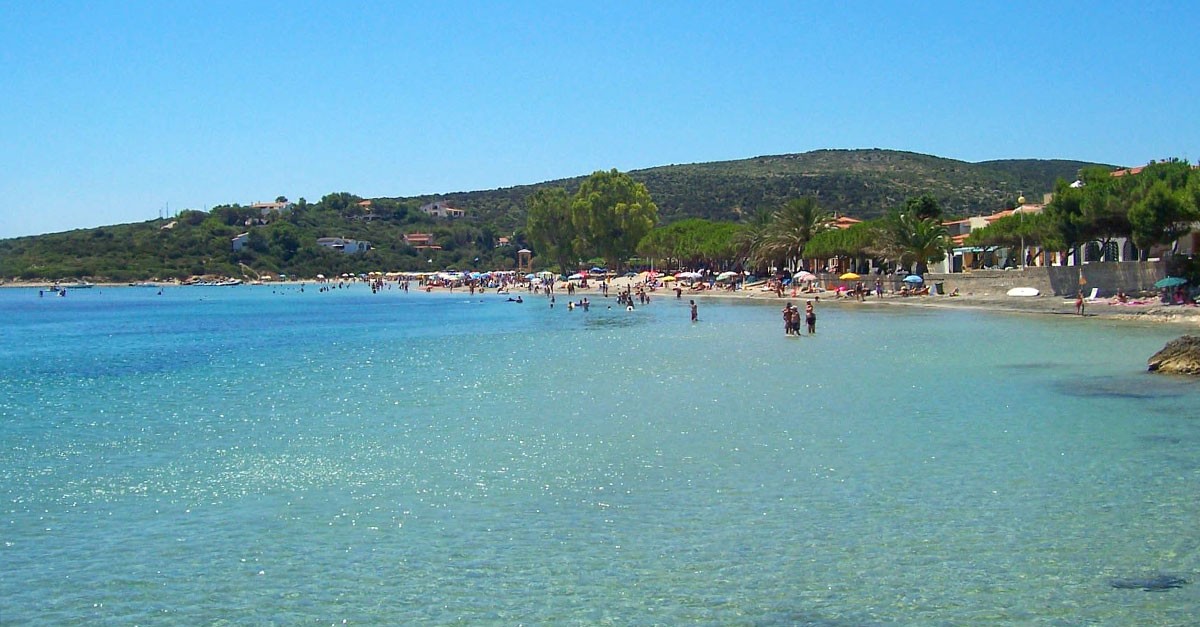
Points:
x=1179, y=356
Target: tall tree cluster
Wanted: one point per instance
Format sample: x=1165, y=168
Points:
x=607, y=218
x=1152, y=208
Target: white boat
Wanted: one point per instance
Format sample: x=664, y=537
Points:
x=221, y=283
x=77, y=285
x=1023, y=291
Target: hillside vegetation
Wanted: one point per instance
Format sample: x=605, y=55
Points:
x=858, y=183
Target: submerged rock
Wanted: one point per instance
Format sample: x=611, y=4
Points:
x=1149, y=584
x=1179, y=356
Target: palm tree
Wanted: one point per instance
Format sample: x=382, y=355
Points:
x=792, y=226
x=749, y=240
x=914, y=240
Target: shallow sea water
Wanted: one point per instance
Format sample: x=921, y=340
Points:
x=258, y=455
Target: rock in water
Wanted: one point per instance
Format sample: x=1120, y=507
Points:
x=1156, y=583
x=1179, y=356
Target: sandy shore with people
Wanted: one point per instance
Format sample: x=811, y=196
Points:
x=1144, y=309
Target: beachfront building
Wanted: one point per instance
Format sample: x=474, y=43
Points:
x=442, y=209
x=421, y=241
x=962, y=258
x=268, y=209
x=347, y=246
x=365, y=211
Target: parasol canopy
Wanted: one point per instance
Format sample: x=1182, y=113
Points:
x=850, y=276
x=912, y=278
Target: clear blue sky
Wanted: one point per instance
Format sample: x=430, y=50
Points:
x=113, y=112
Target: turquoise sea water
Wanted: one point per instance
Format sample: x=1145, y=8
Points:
x=258, y=455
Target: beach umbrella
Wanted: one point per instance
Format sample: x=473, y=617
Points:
x=668, y=279
x=727, y=276
x=531, y=276
x=850, y=276
x=912, y=278
x=1170, y=281
x=319, y=276
x=805, y=275
x=688, y=275
x=575, y=277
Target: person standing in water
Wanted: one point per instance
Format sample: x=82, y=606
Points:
x=810, y=317
x=695, y=315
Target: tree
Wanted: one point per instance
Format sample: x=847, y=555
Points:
x=792, y=226
x=1161, y=216
x=914, y=240
x=612, y=213
x=1064, y=215
x=550, y=227
x=749, y=240
x=691, y=242
x=923, y=207
x=857, y=242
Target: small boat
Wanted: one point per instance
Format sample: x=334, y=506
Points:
x=77, y=285
x=219, y=283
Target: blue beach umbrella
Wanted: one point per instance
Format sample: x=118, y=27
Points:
x=1170, y=281
x=912, y=278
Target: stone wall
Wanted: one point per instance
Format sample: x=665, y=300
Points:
x=1131, y=276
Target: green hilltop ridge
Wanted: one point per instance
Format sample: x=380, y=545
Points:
x=858, y=183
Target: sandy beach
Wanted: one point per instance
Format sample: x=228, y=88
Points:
x=1149, y=310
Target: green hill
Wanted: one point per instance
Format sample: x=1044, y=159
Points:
x=857, y=183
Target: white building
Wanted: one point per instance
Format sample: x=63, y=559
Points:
x=347, y=246
x=442, y=209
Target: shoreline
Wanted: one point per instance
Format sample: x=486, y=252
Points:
x=1153, y=312
x=1042, y=305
